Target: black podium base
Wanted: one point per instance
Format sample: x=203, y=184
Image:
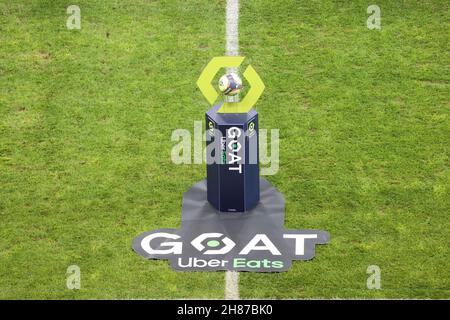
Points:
x=197, y=209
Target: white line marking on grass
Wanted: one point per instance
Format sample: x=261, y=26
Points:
x=232, y=49
x=232, y=23
x=232, y=285
x=232, y=37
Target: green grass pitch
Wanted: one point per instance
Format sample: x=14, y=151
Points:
x=86, y=118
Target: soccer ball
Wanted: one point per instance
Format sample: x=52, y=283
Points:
x=230, y=84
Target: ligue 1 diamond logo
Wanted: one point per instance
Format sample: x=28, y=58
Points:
x=234, y=219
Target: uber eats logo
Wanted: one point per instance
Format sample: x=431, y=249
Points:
x=268, y=251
